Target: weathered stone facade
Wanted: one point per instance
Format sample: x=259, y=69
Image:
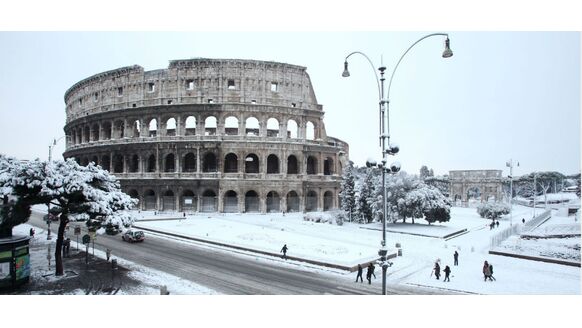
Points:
x=209, y=135
x=488, y=182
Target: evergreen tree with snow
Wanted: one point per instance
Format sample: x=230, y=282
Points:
x=348, y=191
x=424, y=172
x=365, y=192
x=73, y=189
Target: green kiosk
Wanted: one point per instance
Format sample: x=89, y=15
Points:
x=14, y=261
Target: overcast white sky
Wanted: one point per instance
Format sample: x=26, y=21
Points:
x=502, y=95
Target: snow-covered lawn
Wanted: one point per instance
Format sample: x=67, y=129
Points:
x=353, y=243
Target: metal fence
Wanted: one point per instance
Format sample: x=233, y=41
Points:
x=518, y=228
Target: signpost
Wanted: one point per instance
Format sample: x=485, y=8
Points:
x=86, y=240
x=77, y=233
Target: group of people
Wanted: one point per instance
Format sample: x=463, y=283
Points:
x=494, y=224
x=488, y=271
x=437, y=270
x=369, y=273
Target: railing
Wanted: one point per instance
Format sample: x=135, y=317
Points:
x=519, y=228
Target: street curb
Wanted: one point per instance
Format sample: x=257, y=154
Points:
x=536, y=258
x=325, y=264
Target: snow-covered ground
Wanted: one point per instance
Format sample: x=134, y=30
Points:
x=151, y=280
x=422, y=245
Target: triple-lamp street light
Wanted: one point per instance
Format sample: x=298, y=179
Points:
x=384, y=131
x=49, y=215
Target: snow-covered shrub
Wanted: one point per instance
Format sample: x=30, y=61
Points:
x=492, y=210
x=332, y=217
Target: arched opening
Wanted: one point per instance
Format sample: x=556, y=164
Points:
x=136, y=129
x=210, y=126
x=189, y=201
x=189, y=164
x=169, y=201
x=208, y=201
x=95, y=133
x=311, y=201
x=251, y=201
x=309, y=131
x=231, y=163
x=311, y=165
x=292, y=202
x=327, y=201
x=230, y=202
x=209, y=164
x=190, y=126
x=251, y=163
x=272, y=164
x=134, y=164
x=106, y=162
x=151, y=164
x=117, y=163
x=252, y=126
x=171, y=127
x=85, y=161
x=292, y=167
x=328, y=166
x=153, y=127
x=473, y=195
x=119, y=128
x=106, y=130
x=86, y=134
x=292, y=129
x=272, y=127
x=149, y=200
x=170, y=163
x=273, y=202
x=231, y=126
x=135, y=195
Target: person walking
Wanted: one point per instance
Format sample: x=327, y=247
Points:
x=497, y=224
x=491, y=273
x=437, y=270
x=359, y=274
x=456, y=257
x=373, y=269
x=486, y=272
x=284, y=251
x=447, y=272
x=31, y=232
x=369, y=274
x=523, y=220
x=108, y=254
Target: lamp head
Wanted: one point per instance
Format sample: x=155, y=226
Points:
x=371, y=162
x=395, y=167
x=447, y=53
x=346, y=73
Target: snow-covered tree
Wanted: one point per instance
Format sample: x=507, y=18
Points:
x=365, y=192
x=74, y=189
x=492, y=211
x=441, y=183
x=410, y=198
x=424, y=172
x=348, y=191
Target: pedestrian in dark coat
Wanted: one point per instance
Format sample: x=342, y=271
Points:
x=447, y=272
x=284, y=251
x=359, y=274
x=373, y=269
x=31, y=232
x=369, y=274
x=497, y=224
x=486, y=272
x=523, y=220
x=437, y=270
x=491, y=272
x=456, y=257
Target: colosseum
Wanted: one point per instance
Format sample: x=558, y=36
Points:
x=208, y=135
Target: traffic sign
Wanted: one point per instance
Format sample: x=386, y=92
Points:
x=77, y=230
x=86, y=239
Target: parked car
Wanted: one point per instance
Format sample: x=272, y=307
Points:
x=133, y=236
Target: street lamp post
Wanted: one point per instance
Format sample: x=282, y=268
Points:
x=510, y=165
x=384, y=131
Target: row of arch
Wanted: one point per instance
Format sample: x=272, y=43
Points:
x=232, y=163
x=210, y=125
x=233, y=202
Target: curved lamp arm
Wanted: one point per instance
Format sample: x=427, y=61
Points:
x=407, y=50
x=373, y=69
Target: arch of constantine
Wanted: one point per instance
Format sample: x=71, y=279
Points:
x=486, y=182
